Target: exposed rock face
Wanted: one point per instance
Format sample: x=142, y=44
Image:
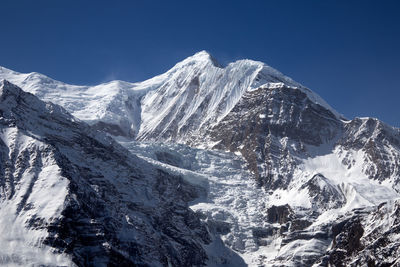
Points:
x=261, y=124
x=279, y=214
x=346, y=242
x=366, y=238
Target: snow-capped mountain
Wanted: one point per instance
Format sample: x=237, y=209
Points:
x=274, y=175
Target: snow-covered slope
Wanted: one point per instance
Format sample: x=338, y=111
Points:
x=112, y=106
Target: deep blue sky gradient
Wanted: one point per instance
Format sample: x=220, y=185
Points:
x=346, y=51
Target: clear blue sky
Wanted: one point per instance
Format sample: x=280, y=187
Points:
x=346, y=51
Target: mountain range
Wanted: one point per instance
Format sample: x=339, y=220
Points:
x=204, y=165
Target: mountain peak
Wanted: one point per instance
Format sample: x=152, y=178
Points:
x=202, y=53
x=202, y=57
